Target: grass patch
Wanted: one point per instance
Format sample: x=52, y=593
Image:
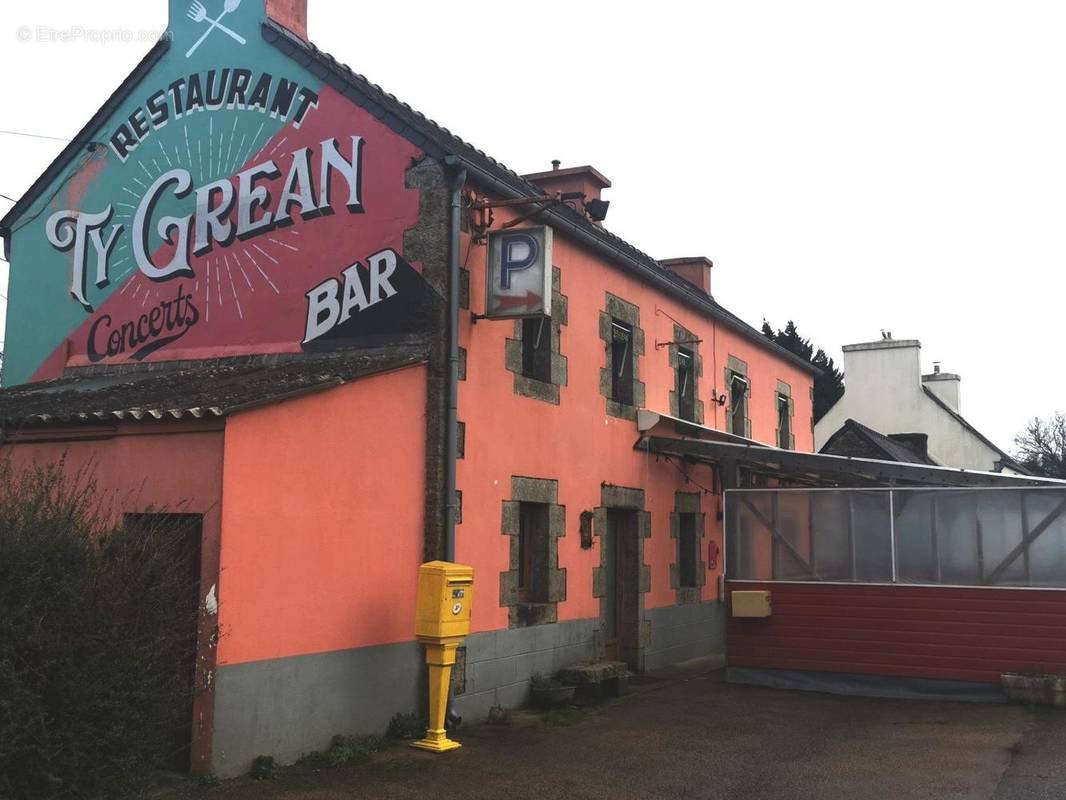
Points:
x=342, y=751
x=562, y=717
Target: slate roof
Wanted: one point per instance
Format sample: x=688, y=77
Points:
x=192, y=389
x=858, y=440
x=438, y=142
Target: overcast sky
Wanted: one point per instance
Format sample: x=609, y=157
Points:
x=852, y=166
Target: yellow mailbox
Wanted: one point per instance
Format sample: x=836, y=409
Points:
x=445, y=591
x=442, y=619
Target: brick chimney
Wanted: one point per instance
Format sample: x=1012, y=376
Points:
x=696, y=270
x=290, y=13
x=585, y=180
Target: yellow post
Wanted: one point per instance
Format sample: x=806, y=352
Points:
x=445, y=592
x=440, y=656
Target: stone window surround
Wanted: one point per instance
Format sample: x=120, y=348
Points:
x=734, y=366
x=688, y=503
x=784, y=390
x=626, y=499
x=615, y=308
x=533, y=490
x=530, y=387
x=689, y=341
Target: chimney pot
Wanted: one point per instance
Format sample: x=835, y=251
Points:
x=556, y=163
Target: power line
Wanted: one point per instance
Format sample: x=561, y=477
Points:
x=12, y=199
x=36, y=136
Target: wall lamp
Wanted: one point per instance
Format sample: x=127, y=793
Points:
x=597, y=209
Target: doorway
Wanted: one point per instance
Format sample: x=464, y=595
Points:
x=186, y=533
x=621, y=620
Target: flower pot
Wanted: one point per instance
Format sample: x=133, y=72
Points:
x=552, y=696
x=1045, y=690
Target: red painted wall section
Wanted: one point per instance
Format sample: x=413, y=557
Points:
x=578, y=443
x=251, y=296
x=323, y=518
x=158, y=468
x=903, y=631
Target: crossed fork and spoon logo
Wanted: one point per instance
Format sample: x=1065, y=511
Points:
x=198, y=13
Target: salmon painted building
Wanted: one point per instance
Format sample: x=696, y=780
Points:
x=334, y=340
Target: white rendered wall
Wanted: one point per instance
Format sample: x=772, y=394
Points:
x=946, y=387
x=883, y=390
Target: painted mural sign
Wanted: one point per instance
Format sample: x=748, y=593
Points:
x=224, y=209
x=519, y=273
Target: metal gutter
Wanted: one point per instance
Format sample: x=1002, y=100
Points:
x=439, y=143
x=826, y=464
x=603, y=246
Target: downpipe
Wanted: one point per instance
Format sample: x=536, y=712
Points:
x=452, y=719
x=452, y=416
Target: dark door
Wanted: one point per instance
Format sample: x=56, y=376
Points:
x=621, y=631
x=186, y=532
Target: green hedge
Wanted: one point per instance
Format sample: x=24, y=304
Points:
x=95, y=630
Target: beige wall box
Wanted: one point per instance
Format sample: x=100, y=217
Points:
x=751, y=603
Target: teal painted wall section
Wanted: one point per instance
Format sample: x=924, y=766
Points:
x=41, y=312
x=247, y=293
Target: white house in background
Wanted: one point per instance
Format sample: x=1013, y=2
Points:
x=886, y=390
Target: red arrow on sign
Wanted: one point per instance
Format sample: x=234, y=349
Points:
x=518, y=301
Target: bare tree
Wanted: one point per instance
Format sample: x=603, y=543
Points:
x=1042, y=446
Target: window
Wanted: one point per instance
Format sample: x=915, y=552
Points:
x=533, y=552
x=738, y=405
x=621, y=363
x=688, y=547
x=784, y=422
x=686, y=385
x=537, y=349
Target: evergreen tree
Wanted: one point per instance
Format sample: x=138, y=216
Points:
x=829, y=384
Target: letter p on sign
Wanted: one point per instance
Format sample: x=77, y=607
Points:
x=519, y=252
x=519, y=279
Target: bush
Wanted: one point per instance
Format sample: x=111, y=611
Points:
x=406, y=726
x=96, y=627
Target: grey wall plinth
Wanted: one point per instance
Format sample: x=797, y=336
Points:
x=500, y=663
x=290, y=706
x=286, y=707
x=682, y=632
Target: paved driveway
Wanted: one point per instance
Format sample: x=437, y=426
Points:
x=701, y=738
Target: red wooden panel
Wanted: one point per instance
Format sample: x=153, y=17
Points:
x=969, y=634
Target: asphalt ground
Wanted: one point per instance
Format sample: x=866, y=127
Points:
x=693, y=736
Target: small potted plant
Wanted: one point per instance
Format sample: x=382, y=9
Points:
x=550, y=692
